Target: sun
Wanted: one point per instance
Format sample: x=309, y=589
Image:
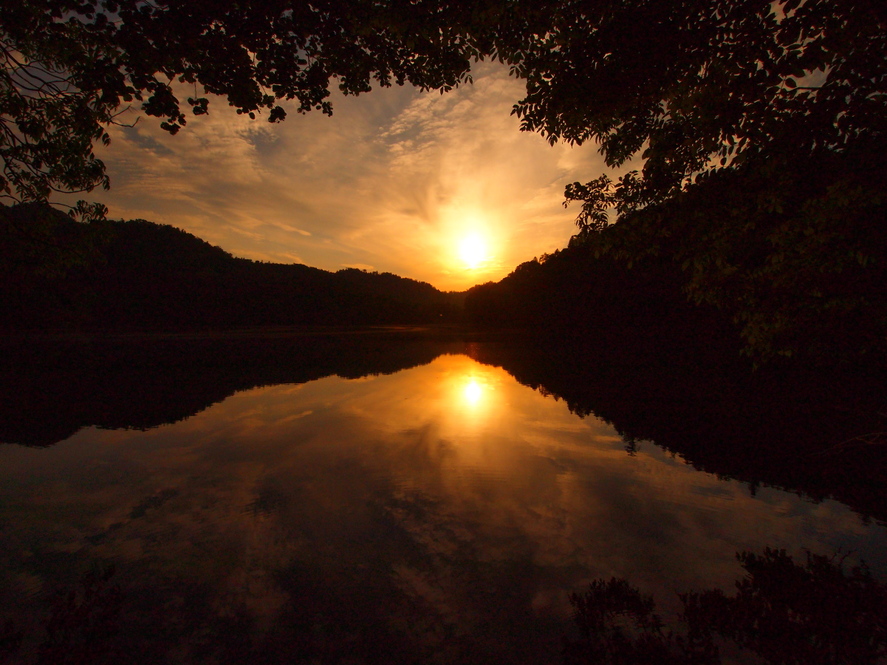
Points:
x=473, y=251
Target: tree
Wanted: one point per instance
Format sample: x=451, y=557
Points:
x=700, y=85
x=761, y=126
x=817, y=612
x=71, y=66
x=692, y=86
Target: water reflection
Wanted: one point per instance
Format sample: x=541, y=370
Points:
x=472, y=392
x=442, y=513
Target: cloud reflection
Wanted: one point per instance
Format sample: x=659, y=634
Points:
x=447, y=496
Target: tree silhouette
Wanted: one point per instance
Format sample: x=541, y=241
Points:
x=693, y=86
x=58, y=274
x=760, y=127
x=813, y=613
x=70, y=66
x=761, y=130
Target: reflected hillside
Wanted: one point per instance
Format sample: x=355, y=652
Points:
x=51, y=389
x=823, y=435
x=441, y=514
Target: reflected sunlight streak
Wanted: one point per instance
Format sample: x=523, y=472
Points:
x=472, y=393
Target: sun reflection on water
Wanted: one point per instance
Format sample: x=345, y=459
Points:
x=471, y=397
x=473, y=393
x=409, y=490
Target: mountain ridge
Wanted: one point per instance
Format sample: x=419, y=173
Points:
x=56, y=273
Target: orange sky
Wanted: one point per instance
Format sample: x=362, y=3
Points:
x=439, y=188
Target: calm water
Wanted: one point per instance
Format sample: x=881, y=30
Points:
x=441, y=513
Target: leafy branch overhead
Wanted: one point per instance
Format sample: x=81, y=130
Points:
x=755, y=131
x=70, y=67
x=690, y=86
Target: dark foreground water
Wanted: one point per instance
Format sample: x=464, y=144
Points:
x=441, y=512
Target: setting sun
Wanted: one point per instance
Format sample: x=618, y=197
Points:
x=473, y=251
x=473, y=238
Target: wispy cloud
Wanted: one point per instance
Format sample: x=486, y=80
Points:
x=393, y=180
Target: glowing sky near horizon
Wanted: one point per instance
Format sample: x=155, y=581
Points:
x=439, y=188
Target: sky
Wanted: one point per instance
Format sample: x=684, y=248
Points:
x=443, y=189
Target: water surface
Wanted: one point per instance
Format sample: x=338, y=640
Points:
x=441, y=513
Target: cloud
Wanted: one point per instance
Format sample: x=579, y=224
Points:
x=391, y=180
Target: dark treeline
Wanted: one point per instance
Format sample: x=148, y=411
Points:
x=59, y=274
x=631, y=313
x=793, y=253
x=802, y=278
x=642, y=309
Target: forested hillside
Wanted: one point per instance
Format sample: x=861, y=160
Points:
x=624, y=312
x=646, y=304
x=58, y=274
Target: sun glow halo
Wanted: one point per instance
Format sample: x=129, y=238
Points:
x=473, y=251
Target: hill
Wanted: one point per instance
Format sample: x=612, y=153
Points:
x=58, y=274
x=586, y=299
x=645, y=307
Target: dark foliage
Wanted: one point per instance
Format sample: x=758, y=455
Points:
x=694, y=87
x=813, y=293
x=761, y=133
x=69, y=67
x=794, y=253
x=631, y=312
x=814, y=613
x=59, y=274
x=619, y=627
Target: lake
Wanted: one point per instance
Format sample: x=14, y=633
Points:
x=377, y=498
